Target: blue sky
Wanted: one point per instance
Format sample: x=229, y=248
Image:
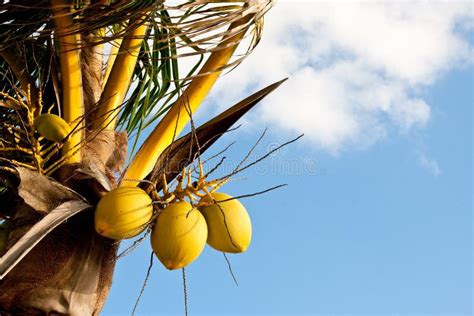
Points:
x=377, y=215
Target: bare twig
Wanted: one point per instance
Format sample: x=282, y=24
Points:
x=215, y=167
x=253, y=194
x=134, y=246
x=230, y=269
x=147, y=276
x=251, y=150
x=219, y=153
x=260, y=159
x=185, y=290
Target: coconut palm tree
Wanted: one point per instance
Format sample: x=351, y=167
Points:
x=80, y=82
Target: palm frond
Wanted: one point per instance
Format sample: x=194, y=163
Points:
x=178, y=31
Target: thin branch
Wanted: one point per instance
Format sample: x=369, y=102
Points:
x=252, y=194
x=145, y=282
x=135, y=244
x=230, y=269
x=215, y=167
x=185, y=290
x=219, y=153
x=251, y=150
x=225, y=222
x=261, y=158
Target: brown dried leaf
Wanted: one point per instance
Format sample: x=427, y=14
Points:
x=42, y=193
x=34, y=235
x=177, y=156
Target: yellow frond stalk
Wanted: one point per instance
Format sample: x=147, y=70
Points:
x=114, y=50
x=71, y=78
x=119, y=79
x=177, y=117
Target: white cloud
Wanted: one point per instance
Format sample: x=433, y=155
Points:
x=429, y=164
x=355, y=68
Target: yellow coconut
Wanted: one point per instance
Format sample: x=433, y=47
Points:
x=230, y=228
x=52, y=127
x=123, y=212
x=179, y=236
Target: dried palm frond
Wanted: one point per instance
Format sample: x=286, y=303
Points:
x=184, y=150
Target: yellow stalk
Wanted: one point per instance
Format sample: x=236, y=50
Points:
x=111, y=60
x=71, y=77
x=119, y=79
x=177, y=117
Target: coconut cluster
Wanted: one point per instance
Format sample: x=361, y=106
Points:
x=180, y=231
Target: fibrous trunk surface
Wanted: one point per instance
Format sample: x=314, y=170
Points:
x=70, y=271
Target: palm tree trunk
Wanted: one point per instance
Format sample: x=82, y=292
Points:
x=69, y=272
